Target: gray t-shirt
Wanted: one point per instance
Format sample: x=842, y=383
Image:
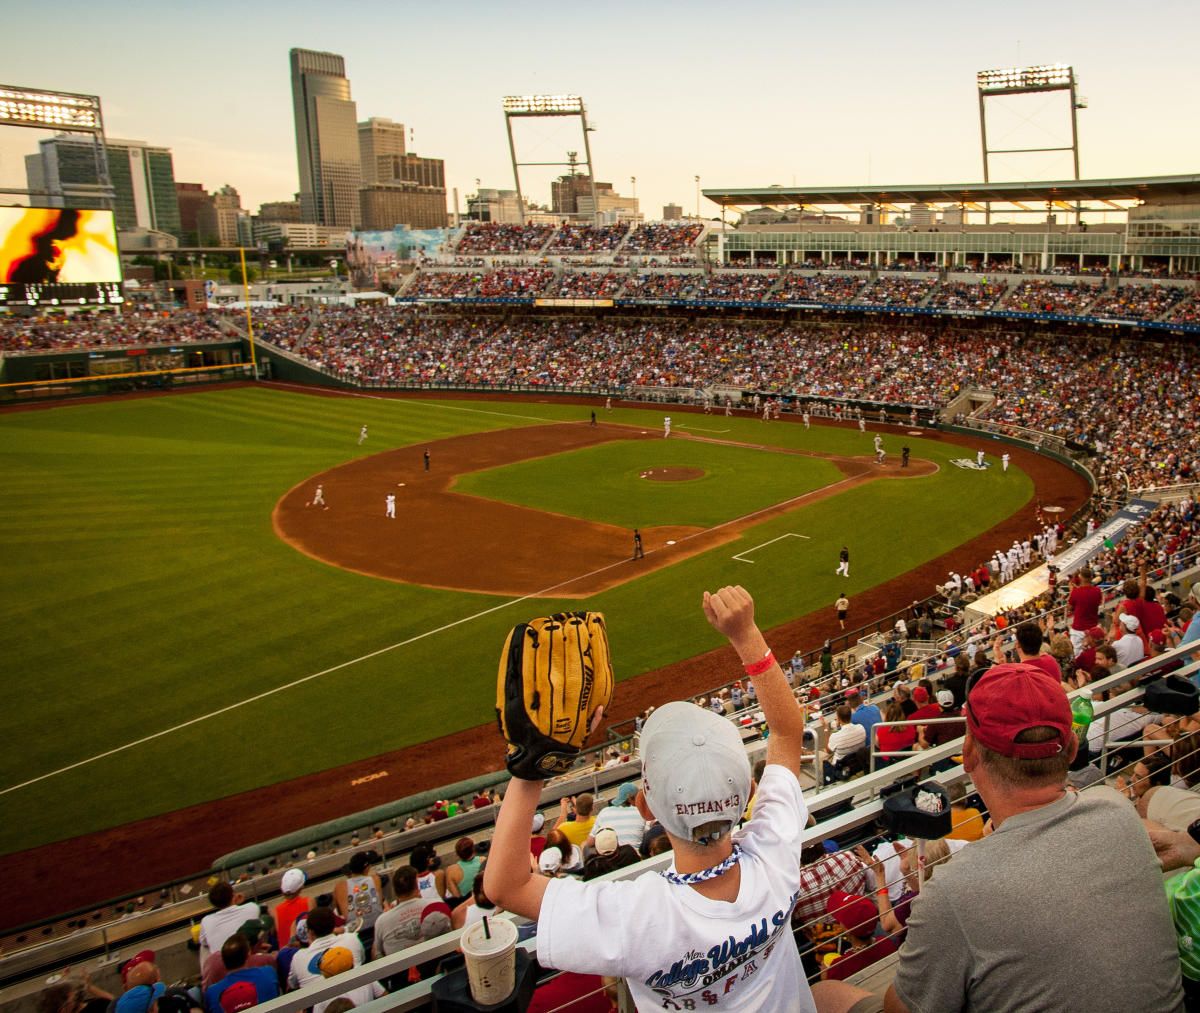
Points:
x=1018, y=920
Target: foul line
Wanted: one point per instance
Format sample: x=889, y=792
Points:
x=411, y=640
x=787, y=534
x=698, y=429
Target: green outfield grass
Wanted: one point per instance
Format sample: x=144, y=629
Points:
x=605, y=483
x=144, y=592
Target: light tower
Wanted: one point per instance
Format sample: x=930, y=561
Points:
x=542, y=106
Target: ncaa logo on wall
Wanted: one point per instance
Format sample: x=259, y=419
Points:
x=969, y=463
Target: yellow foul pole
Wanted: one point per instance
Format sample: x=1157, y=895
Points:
x=249, y=319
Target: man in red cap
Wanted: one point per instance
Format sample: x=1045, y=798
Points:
x=1007, y=924
x=1086, y=659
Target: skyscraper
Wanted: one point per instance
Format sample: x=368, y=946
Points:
x=143, y=179
x=326, y=139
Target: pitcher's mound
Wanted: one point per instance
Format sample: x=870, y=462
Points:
x=672, y=474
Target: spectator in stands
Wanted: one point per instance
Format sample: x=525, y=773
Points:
x=230, y=911
x=859, y=918
x=623, y=817
x=842, y=744
x=892, y=740
x=1084, y=605
x=570, y=856
x=1178, y=850
x=940, y=733
x=1029, y=650
x=306, y=964
x=1129, y=646
x=140, y=998
x=74, y=997
x=400, y=925
x=462, y=873
x=863, y=713
x=431, y=877
x=476, y=906
x=293, y=904
x=244, y=984
x=968, y=943
x=254, y=933
x=927, y=706
x=576, y=830
x=1085, y=659
x=358, y=898
x=667, y=935
x=610, y=855
x=537, y=840
x=337, y=960
x=823, y=874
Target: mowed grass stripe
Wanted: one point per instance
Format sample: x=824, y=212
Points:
x=184, y=600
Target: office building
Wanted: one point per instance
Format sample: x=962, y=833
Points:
x=380, y=143
x=327, y=152
x=672, y=213
x=386, y=205
x=399, y=188
x=143, y=179
x=280, y=211
x=218, y=222
x=192, y=199
x=500, y=206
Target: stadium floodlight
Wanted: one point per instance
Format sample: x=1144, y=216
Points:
x=53, y=110
x=1008, y=82
x=516, y=106
x=1049, y=76
x=543, y=105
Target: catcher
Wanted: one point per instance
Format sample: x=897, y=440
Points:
x=703, y=933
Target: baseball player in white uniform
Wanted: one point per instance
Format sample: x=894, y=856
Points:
x=362, y=435
x=666, y=426
x=391, y=506
x=1004, y=459
x=318, y=498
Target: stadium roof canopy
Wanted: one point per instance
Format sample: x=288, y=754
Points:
x=1110, y=191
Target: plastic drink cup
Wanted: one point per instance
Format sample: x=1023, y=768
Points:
x=490, y=949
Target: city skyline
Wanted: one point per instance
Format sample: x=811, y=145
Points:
x=800, y=96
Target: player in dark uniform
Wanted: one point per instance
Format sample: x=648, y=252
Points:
x=638, y=552
x=426, y=458
x=844, y=562
x=904, y=452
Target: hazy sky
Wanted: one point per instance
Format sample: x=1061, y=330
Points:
x=741, y=94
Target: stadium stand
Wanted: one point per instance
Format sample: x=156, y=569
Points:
x=588, y=238
x=662, y=237
x=1138, y=302
x=495, y=238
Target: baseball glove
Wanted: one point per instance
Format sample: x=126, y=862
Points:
x=554, y=674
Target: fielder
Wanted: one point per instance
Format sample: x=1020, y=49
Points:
x=666, y=426
x=318, y=498
x=362, y=435
x=390, y=510
x=805, y=417
x=862, y=424
x=879, y=453
x=843, y=567
x=1004, y=459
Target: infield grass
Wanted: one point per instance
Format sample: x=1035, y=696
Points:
x=145, y=598
x=610, y=483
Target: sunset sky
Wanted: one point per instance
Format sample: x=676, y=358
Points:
x=741, y=94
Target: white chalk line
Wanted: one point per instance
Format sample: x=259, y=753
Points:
x=391, y=647
x=307, y=678
x=740, y=557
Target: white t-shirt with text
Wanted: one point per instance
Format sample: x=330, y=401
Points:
x=680, y=950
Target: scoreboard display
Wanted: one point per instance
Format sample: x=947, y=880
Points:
x=58, y=257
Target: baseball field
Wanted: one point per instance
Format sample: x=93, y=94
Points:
x=183, y=626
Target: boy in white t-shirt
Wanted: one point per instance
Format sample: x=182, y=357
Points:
x=714, y=932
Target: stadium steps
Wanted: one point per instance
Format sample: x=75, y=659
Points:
x=408, y=283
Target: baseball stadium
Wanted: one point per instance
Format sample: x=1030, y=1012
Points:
x=263, y=553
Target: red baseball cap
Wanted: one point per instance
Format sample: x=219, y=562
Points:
x=1158, y=637
x=1096, y=633
x=141, y=957
x=920, y=695
x=1010, y=699
x=854, y=913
